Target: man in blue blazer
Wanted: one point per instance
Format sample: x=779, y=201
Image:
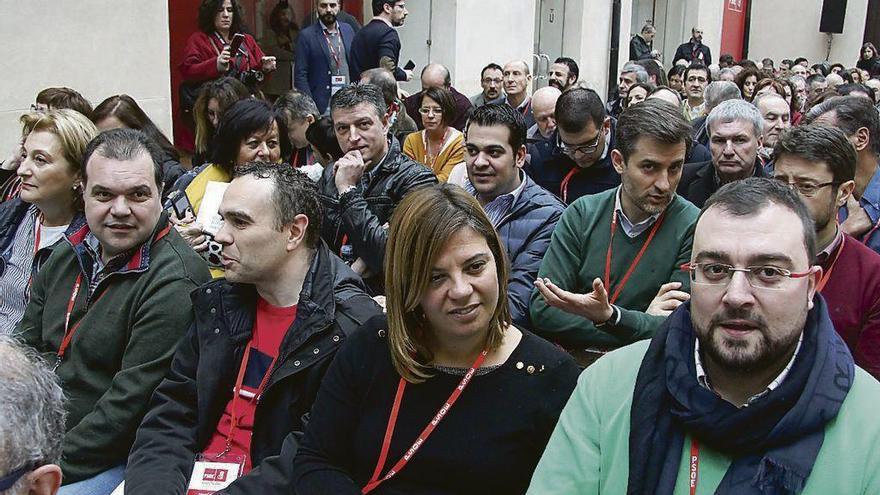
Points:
x=323, y=55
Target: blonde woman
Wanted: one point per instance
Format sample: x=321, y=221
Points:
x=446, y=396
x=51, y=195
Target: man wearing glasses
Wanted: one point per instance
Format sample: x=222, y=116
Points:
x=746, y=389
x=576, y=160
x=819, y=163
x=736, y=132
x=611, y=274
x=492, y=81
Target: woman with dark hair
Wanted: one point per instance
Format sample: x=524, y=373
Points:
x=746, y=80
x=675, y=77
x=637, y=93
x=214, y=98
x=121, y=111
x=439, y=146
x=280, y=41
x=446, y=356
x=769, y=85
x=207, y=53
x=869, y=59
x=249, y=131
x=791, y=97
x=51, y=195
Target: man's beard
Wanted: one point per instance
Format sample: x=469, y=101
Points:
x=556, y=84
x=328, y=18
x=747, y=356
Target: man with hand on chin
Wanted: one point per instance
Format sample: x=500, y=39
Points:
x=610, y=276
x=746, y=389
x=361, y=190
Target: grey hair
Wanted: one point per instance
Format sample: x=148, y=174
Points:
x=726, y=70
x=641, y=73
x=649, y=28
x=32, y=414
x=733, y=110
x=355, y=94
x=297, y=105
x=719, y=91
x=795, y=78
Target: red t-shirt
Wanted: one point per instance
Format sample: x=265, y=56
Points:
x=270, y=327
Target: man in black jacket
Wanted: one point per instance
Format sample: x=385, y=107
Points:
x=640, y=44
x=694, y=50
x=377, y=44
x=524, y=214
x=736, y=132
x=249, y=368
x=361, y=190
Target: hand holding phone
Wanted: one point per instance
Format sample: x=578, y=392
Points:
x=234, y=46
x=409, y=65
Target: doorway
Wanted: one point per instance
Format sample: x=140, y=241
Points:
x=549, y=36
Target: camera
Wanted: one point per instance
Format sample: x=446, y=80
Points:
x=251, y=78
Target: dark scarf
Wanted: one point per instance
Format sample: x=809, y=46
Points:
x=774, y=441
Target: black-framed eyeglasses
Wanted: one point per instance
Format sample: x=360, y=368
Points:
x=808, y=190
x=584, y=149
x=10, y=479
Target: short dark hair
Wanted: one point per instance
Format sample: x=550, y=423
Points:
x=355, y=94
x=492, y=65
x=726, y=58
x=818, y=143
x=208, y=12
x=799, y=60
x=61, y=97
x=853, y=113
x=294, y=194
x=500, y=115
x=444, y=98
x=242, y=119
x=577, y=106
x=786, y=61
x=573, y=69
x=656, y=119
x=838, y=65
x=379, y=4
x=124, y=145
x=747, y=197
x=384, y=80
x=697, y=66
x=676, y=70
x=850, y=88
x=813, y=78
x=322, y=136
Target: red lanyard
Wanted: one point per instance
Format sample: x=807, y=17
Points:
x=827, y=275
x=68, y=332
x=333, y=52
x=694, y=466
x=236, y=395
x=564, y=186
x=38, y=232
x=635, y=262
x=392, y=419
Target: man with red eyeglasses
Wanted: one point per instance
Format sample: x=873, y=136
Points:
x=610, y=275
x=745, y=389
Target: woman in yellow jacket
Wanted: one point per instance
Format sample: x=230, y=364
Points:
x=439, y=146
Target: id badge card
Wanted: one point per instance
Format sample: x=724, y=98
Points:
x=212, y=473
x=337, y=83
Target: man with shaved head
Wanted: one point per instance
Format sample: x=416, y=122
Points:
x=544, y=110
x=517, y=77
x=438, y=76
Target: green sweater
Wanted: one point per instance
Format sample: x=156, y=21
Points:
x=122, y=347
x=577, y=256
x=588, y=452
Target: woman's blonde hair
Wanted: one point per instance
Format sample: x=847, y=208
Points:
x=73, y=130
x=421, y=226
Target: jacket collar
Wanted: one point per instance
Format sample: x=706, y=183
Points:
x=135, y=261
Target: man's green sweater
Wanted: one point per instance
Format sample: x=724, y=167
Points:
x=128, y=329
x=577, y=256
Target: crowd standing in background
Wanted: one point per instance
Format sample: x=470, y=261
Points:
x=348, y=289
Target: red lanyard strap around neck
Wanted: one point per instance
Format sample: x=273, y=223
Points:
x=392, y=420
x=694, y=466
x=236, y=395
x=334, y=53
x=634, y=264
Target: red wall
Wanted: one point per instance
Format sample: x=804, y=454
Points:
x=733, y=28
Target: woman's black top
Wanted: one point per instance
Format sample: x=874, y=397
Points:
x=489, y=442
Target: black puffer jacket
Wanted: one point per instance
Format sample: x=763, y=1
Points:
x=190, y=401
x=362, y=214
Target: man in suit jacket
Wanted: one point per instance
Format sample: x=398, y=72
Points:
x=694, y=50
x=323, y=55
x=736, y=132
x=378, y=44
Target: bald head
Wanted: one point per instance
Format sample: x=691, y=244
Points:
x=436, y=76
x=517, y=65
x=544, y=109
x=834, y=80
